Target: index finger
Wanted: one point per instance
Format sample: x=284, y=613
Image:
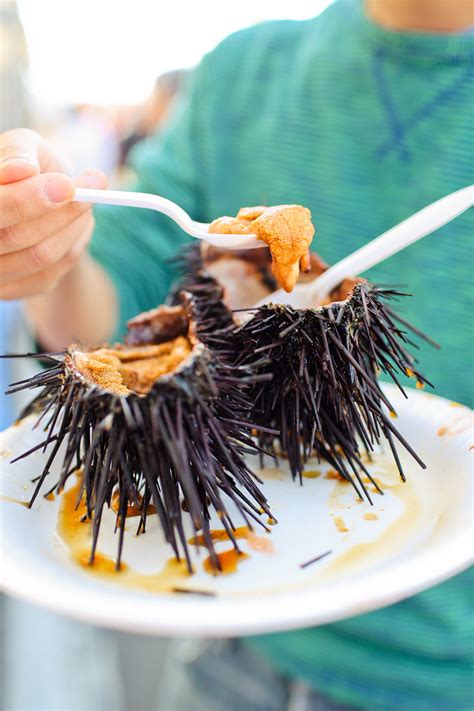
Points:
x=19, y=155
x=31, y=198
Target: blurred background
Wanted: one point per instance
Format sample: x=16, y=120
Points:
x=95, y=77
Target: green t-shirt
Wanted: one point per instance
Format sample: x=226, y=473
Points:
x=365, y=127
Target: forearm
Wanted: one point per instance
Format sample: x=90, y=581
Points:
x=81, y=308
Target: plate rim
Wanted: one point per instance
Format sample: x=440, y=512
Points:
x=157, y=615
x=99, y=611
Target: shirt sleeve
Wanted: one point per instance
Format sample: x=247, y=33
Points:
x=135, y=246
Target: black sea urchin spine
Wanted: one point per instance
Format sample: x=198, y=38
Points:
x=169, y=448
x=181, y=447
x=324, y=397
x=315, y=373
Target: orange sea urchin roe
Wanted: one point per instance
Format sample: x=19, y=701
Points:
x=139, y=375
x=251, y=213
x=102, y=367
x=230, y=226
x=287, y=229
x=134, y=369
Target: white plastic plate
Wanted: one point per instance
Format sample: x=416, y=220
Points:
x=421, y=534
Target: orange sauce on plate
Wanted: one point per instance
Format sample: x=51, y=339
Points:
x=132, y=509
x=311, y=473
x=228, y=562
x=257, y=543
x=76, y=534
x=12, y=500
x=340, y=525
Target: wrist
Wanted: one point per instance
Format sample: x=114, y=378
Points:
x=82, y=307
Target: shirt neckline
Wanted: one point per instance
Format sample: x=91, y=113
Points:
x=415, y=45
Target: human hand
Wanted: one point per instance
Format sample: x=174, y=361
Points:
x=42, y=232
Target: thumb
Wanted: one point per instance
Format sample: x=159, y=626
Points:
x=19, y=155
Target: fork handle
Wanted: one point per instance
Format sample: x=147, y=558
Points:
x=128, y=198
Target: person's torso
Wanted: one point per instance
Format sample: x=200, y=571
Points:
x=364, y=135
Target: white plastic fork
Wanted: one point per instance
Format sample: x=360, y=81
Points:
x=199, y=230
x=412, y=229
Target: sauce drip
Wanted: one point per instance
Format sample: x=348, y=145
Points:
x=340, y=525
x=101, y=564
x=219, y=534
x=370, y=485
x=387, y=542
x=132, y=508
x=228, y=561
x=256, y=543
x=15, y=501
x=333, y=474
x=272, y=473
x=459, y=425
x=311, y=473
x=77, y=535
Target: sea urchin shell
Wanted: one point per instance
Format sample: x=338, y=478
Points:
x=316, y=372
x=176, y=441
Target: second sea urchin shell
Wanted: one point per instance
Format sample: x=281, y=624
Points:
x=316, y=372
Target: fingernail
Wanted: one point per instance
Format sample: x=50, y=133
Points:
x=59, y=189
x=94, y=179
